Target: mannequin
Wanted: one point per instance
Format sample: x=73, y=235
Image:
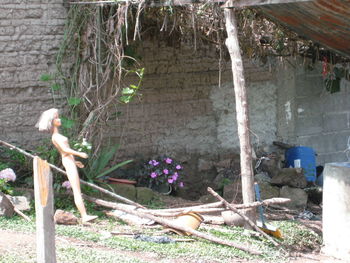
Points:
x=50, y=121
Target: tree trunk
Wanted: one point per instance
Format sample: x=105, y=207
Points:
x=241, y=112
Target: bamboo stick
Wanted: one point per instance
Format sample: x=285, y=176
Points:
x=247, y=219
x=118, y=197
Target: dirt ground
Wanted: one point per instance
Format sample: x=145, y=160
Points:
x=12, y=242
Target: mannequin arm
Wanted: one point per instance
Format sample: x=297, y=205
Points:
x=64, y=149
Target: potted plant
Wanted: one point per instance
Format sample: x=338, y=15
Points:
x=162, y=174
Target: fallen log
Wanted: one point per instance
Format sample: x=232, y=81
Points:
x=173, y=225
x=250, y=222
x=118, y=197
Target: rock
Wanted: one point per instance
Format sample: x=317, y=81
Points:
x=65, y=218
x=223, y=164
x=293, y=177
x=207, y=199
x=144, y=195
x=204, y=165
x=271, y=166
x=6, y=207
x=298, y=197
x=125, y=190
x=232, y=219
x=262, y=177
x=20, y=202
x=233, y=192
x=268, y=191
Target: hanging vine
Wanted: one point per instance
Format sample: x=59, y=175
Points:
x=94, y=60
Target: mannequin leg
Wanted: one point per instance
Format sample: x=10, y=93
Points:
x=73, y=177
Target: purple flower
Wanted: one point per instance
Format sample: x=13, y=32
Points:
x=8, y=174
x=155, y=163
x=175, y=176
x=181, y=184
x=170, y=180
x=154, y=174
x=67, y=185
x=178, y=167
x=168, y=160
x=166, y=171
x=150, y=162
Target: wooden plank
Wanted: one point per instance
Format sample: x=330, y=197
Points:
x=45, y=226
x=247, y=3
x=150, y=3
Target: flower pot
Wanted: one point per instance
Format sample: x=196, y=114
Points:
x=164, y=189
x=120, y=181
x=190, y=219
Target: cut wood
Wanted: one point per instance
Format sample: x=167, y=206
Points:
x=247, y=219
x=118, y=197
x=172, y=224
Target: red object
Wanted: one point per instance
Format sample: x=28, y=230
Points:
x=120, y=181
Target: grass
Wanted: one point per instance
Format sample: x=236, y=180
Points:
x=104, y=249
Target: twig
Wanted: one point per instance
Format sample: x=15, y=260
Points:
x=118, y=197
x=22, y=215
x=174, y=225
x=250, y=222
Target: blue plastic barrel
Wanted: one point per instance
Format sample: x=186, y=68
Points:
x=302, y=157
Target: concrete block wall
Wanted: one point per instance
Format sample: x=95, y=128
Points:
x=30, y=34
x=320, y=120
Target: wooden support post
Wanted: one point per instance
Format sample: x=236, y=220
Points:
x=45, y=226
x=241, y=111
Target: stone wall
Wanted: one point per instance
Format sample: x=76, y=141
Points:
x=184, y=111
x=30, y=34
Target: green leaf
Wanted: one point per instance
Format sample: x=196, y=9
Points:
x=113, y=168
x=55, y=87
x=128, y=91
x=125, y=99
x=134, y=86
x=73, y=101
x=46, y=77
x=67, y=123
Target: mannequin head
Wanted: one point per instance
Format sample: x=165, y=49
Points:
x=47, y=120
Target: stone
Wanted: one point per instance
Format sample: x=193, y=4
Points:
x=293, y=177
x=6, y=207
x=144, y=195
x=268, y=191
x=65, y=218
x=125, y=190
x=271, y=166
x=262, y=177
x=297, y=196
x=232, y=219
x=20, y=202
x=204, y=165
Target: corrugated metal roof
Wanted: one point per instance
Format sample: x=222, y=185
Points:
x=326, y=22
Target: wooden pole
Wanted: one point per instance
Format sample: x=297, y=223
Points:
x=45, y=226
x=250, y=222
x=241, y=111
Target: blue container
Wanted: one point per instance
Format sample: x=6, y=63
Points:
x=302, y=157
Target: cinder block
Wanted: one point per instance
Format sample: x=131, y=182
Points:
x=309, y=86
x=309, y=125
x=335, y=122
